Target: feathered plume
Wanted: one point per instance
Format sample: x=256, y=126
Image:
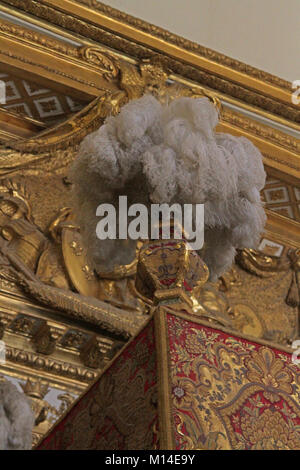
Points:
x=170, y=154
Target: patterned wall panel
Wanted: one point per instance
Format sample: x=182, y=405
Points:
x=282, y=198
x=32, y=100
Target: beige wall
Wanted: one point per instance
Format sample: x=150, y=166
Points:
x=262, y=33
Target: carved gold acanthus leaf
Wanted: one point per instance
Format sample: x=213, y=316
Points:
x=103, y=62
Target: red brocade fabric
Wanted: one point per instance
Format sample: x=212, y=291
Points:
x=225, y=392
x=119, y=411
x=230, y=393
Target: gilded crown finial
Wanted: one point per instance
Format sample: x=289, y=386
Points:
x=35, y=388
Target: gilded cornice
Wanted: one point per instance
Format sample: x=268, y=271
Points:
x=25, y=327
x=86, y=70
x=283, y=229
x=93, y=56
x=142, y=41
x=186, y=44
x=269, y=133
x=49, y=366
x=281, y=151
x=32, y=37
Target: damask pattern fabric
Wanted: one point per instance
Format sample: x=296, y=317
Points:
x=230, y=393
x=119, y=412
x=225, y=393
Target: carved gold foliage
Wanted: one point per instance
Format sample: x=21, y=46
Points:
x=258, y=263
x=268, y=287
x=105, y=64
x=14, y=197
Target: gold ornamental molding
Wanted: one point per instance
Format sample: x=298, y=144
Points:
x=283, y=229
x=138, y=39
x=165, y=35
x=13, y=126
x=85, y=72
x=77, y=59
x=281, y=151
x=263, y=131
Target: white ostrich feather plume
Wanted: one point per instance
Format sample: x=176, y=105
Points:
x=16, y=419
x=170, y=154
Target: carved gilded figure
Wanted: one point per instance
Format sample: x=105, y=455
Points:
x=34, y=264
